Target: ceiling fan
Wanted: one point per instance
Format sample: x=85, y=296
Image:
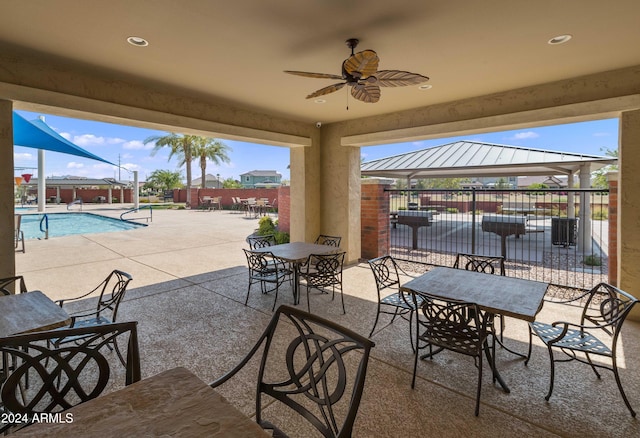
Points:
x=360, y=72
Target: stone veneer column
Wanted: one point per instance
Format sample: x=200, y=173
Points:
x=7, y=253
x=374, y=218
x=628, y=206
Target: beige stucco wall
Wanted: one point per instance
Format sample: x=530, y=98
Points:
x=7, y=259
x=629, y=208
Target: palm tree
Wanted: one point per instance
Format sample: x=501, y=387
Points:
x=180, y=145
x=213, y=149
x=164, y=180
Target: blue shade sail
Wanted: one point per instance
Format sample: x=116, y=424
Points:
x=37, y=134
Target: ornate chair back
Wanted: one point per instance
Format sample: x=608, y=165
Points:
x=62, y=377
x=8, y=285
x=323, y=239
x=256, y=242
x=312, y=365
x=480, y=263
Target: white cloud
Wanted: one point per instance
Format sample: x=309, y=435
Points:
x=601, y=134
x=74, y=165
x=136, y=145
x=23, y=157
x=131, y=166
x=86, y=140
x=525, y=135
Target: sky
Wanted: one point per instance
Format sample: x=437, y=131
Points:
x=125, y=145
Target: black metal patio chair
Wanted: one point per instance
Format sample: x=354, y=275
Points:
x=256, y=242
x=323, y=271
x=604, y=312
x=267, y=270
x=486, y=265
x=385, y=271
x=17, y=231
x=111, y=292
x=312, y=365
x=62, y=376
x=323, y=239
x=10, y=285
x=456, y=326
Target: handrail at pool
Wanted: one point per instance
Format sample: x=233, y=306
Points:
x=45, y=219
x=135, y=210
x=76, y=202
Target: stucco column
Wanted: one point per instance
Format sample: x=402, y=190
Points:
x=7, y=250
x=628, y=206
x=340, y=191
x=305, y=191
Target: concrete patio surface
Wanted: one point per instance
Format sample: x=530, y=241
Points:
x=188, y=290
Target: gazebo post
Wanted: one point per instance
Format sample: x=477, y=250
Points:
x=584, y=225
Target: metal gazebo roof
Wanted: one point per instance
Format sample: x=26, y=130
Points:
x=469, y=158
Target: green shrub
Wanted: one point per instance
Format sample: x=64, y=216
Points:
x=600, y=215
x=267, y=226
x=592, y=260
x=452, y=210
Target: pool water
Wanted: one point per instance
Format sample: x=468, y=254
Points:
x=65, y=224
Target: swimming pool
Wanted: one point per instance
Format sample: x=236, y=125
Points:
x=65, y=224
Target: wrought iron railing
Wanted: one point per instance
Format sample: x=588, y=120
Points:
x=545, y=234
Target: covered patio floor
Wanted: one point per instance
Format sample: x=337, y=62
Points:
x=189, y=284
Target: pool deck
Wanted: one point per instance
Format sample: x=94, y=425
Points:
x=189, y=284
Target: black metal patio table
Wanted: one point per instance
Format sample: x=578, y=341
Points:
x=296, y=253
x=509, y=296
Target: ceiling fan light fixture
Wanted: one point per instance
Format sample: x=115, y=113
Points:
x=360, y=73
x=319, y=101
x=560, y=39
x=137, y=41
x=425, y=87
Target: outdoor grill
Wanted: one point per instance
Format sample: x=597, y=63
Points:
x=415, y=220
x=503, y=226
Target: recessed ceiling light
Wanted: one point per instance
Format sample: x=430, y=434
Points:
x=320, y=101
x=137, y=41
x=425, y=87
x=560, y=39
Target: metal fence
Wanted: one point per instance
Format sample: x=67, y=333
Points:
x=556, y=236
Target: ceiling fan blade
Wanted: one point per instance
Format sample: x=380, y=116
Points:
x=314, y=75
x=397, y=78
x=366, y=92
x=326, y=90
x=363, y=63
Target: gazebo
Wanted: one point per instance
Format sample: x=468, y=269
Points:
x=470, y=158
